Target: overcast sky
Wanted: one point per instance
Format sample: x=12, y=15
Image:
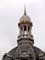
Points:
x=10, y=13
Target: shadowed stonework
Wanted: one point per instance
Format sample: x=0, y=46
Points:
x=25, y=49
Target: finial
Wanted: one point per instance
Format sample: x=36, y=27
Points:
x=24, y=10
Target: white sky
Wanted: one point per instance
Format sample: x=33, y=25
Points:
x=10, y=13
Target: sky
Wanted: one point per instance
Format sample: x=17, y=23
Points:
x=10, y=13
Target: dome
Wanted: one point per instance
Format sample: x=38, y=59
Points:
x=25, y=19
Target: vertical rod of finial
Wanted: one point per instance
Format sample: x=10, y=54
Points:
x=24, y=10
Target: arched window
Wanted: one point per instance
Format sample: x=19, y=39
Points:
x=24, y=28
x=28, y=28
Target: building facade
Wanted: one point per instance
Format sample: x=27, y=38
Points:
x=25, y=49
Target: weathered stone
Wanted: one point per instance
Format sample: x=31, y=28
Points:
x=25, y=49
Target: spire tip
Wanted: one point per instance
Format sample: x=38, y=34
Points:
x=24, y=10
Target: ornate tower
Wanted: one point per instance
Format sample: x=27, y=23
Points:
x=25, y=49
x=25, y=38
x=25, y=26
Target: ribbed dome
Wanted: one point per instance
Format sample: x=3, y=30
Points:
x=25, y=19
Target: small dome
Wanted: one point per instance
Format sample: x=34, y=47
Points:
x=25, y=19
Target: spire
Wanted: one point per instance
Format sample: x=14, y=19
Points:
x=24, y=10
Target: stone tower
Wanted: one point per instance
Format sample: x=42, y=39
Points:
x=25, y=49
x=25, y=38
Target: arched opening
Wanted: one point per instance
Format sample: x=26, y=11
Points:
x=24, y=28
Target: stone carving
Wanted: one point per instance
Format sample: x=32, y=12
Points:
x=25, y=49
x=7, y=57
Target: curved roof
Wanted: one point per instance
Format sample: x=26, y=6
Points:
x=25, y=19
